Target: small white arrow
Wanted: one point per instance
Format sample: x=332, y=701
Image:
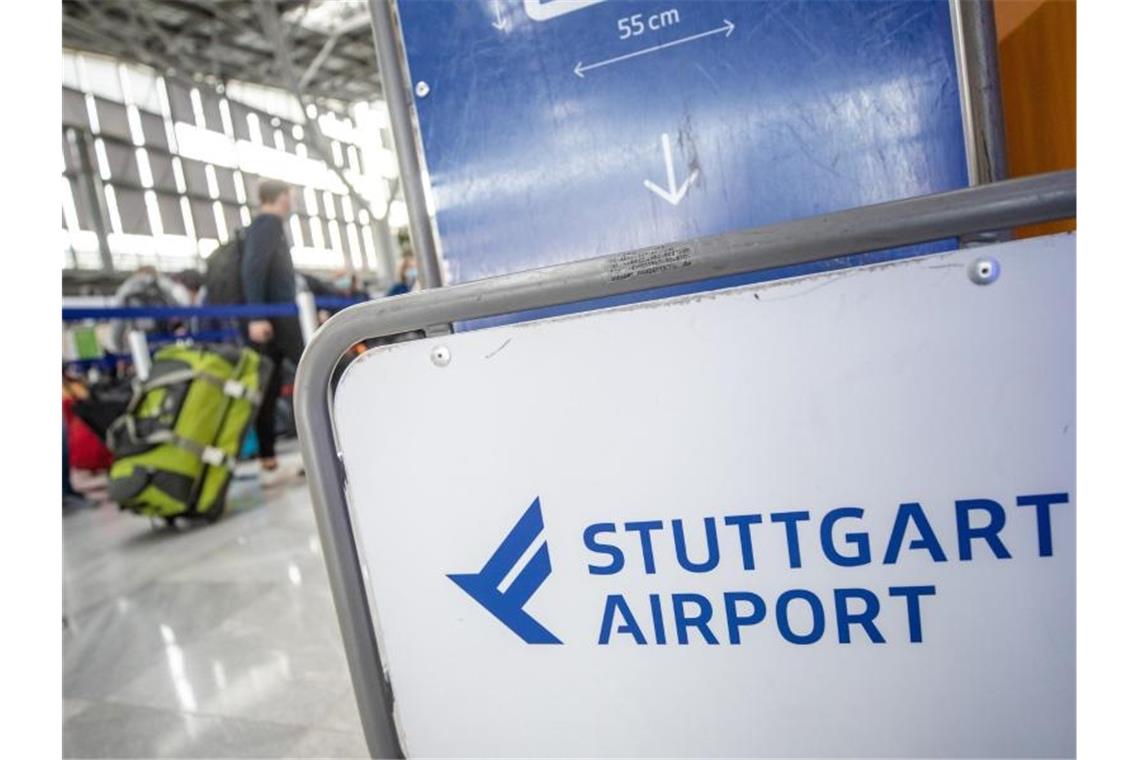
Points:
x=674, y=194
x=580, y=69
x=499, y=23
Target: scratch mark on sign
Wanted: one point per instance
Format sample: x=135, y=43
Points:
x=497, y=350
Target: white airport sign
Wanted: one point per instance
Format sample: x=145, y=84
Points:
x=829, y=516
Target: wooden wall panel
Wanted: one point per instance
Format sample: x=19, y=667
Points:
x=1038, y=60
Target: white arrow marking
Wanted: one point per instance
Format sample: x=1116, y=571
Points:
x=580, y=69
x=499, y=23
x=674, y=194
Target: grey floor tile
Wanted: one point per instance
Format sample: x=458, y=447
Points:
x=104, y=647
x=206, y=641
x=343, y=715
x=257, y=671
x=72, y=707
x=271, y=554
x=109, y=554
x=322, y=743
x=112, y=730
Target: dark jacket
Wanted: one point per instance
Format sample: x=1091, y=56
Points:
x=266, y=266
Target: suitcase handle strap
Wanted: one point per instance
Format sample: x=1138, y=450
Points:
x=231, y=387
x=236, y=389
x=209, y=454
x=126, y=421
x=167, y=378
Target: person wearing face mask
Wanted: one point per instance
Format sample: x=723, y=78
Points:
x=407, y=280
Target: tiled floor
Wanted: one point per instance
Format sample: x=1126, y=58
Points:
x=204, y=641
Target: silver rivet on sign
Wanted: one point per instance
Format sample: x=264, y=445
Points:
x=984, y=271
x=440, y=356
x=422, y=89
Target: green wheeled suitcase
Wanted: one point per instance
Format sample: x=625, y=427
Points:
x=176, y=447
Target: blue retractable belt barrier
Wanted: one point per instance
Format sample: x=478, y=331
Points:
x=107, y=362
x=229, y=311
x=332, y=302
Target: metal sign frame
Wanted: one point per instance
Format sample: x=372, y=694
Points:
x=983, y=208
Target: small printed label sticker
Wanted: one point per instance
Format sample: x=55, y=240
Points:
x=650, y=261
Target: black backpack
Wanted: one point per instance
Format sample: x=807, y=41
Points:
x=223, y=271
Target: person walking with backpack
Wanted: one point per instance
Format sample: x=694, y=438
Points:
x=267, y=276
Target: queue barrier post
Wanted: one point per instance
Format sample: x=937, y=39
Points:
x=140, y=353
x=307, y=314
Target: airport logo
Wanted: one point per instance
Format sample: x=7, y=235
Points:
x=507, y=604
x=670, y=550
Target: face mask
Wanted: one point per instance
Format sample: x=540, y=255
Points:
x=343, y=283
x=409, y=276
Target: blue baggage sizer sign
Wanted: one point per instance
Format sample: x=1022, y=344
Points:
x=557, y=130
